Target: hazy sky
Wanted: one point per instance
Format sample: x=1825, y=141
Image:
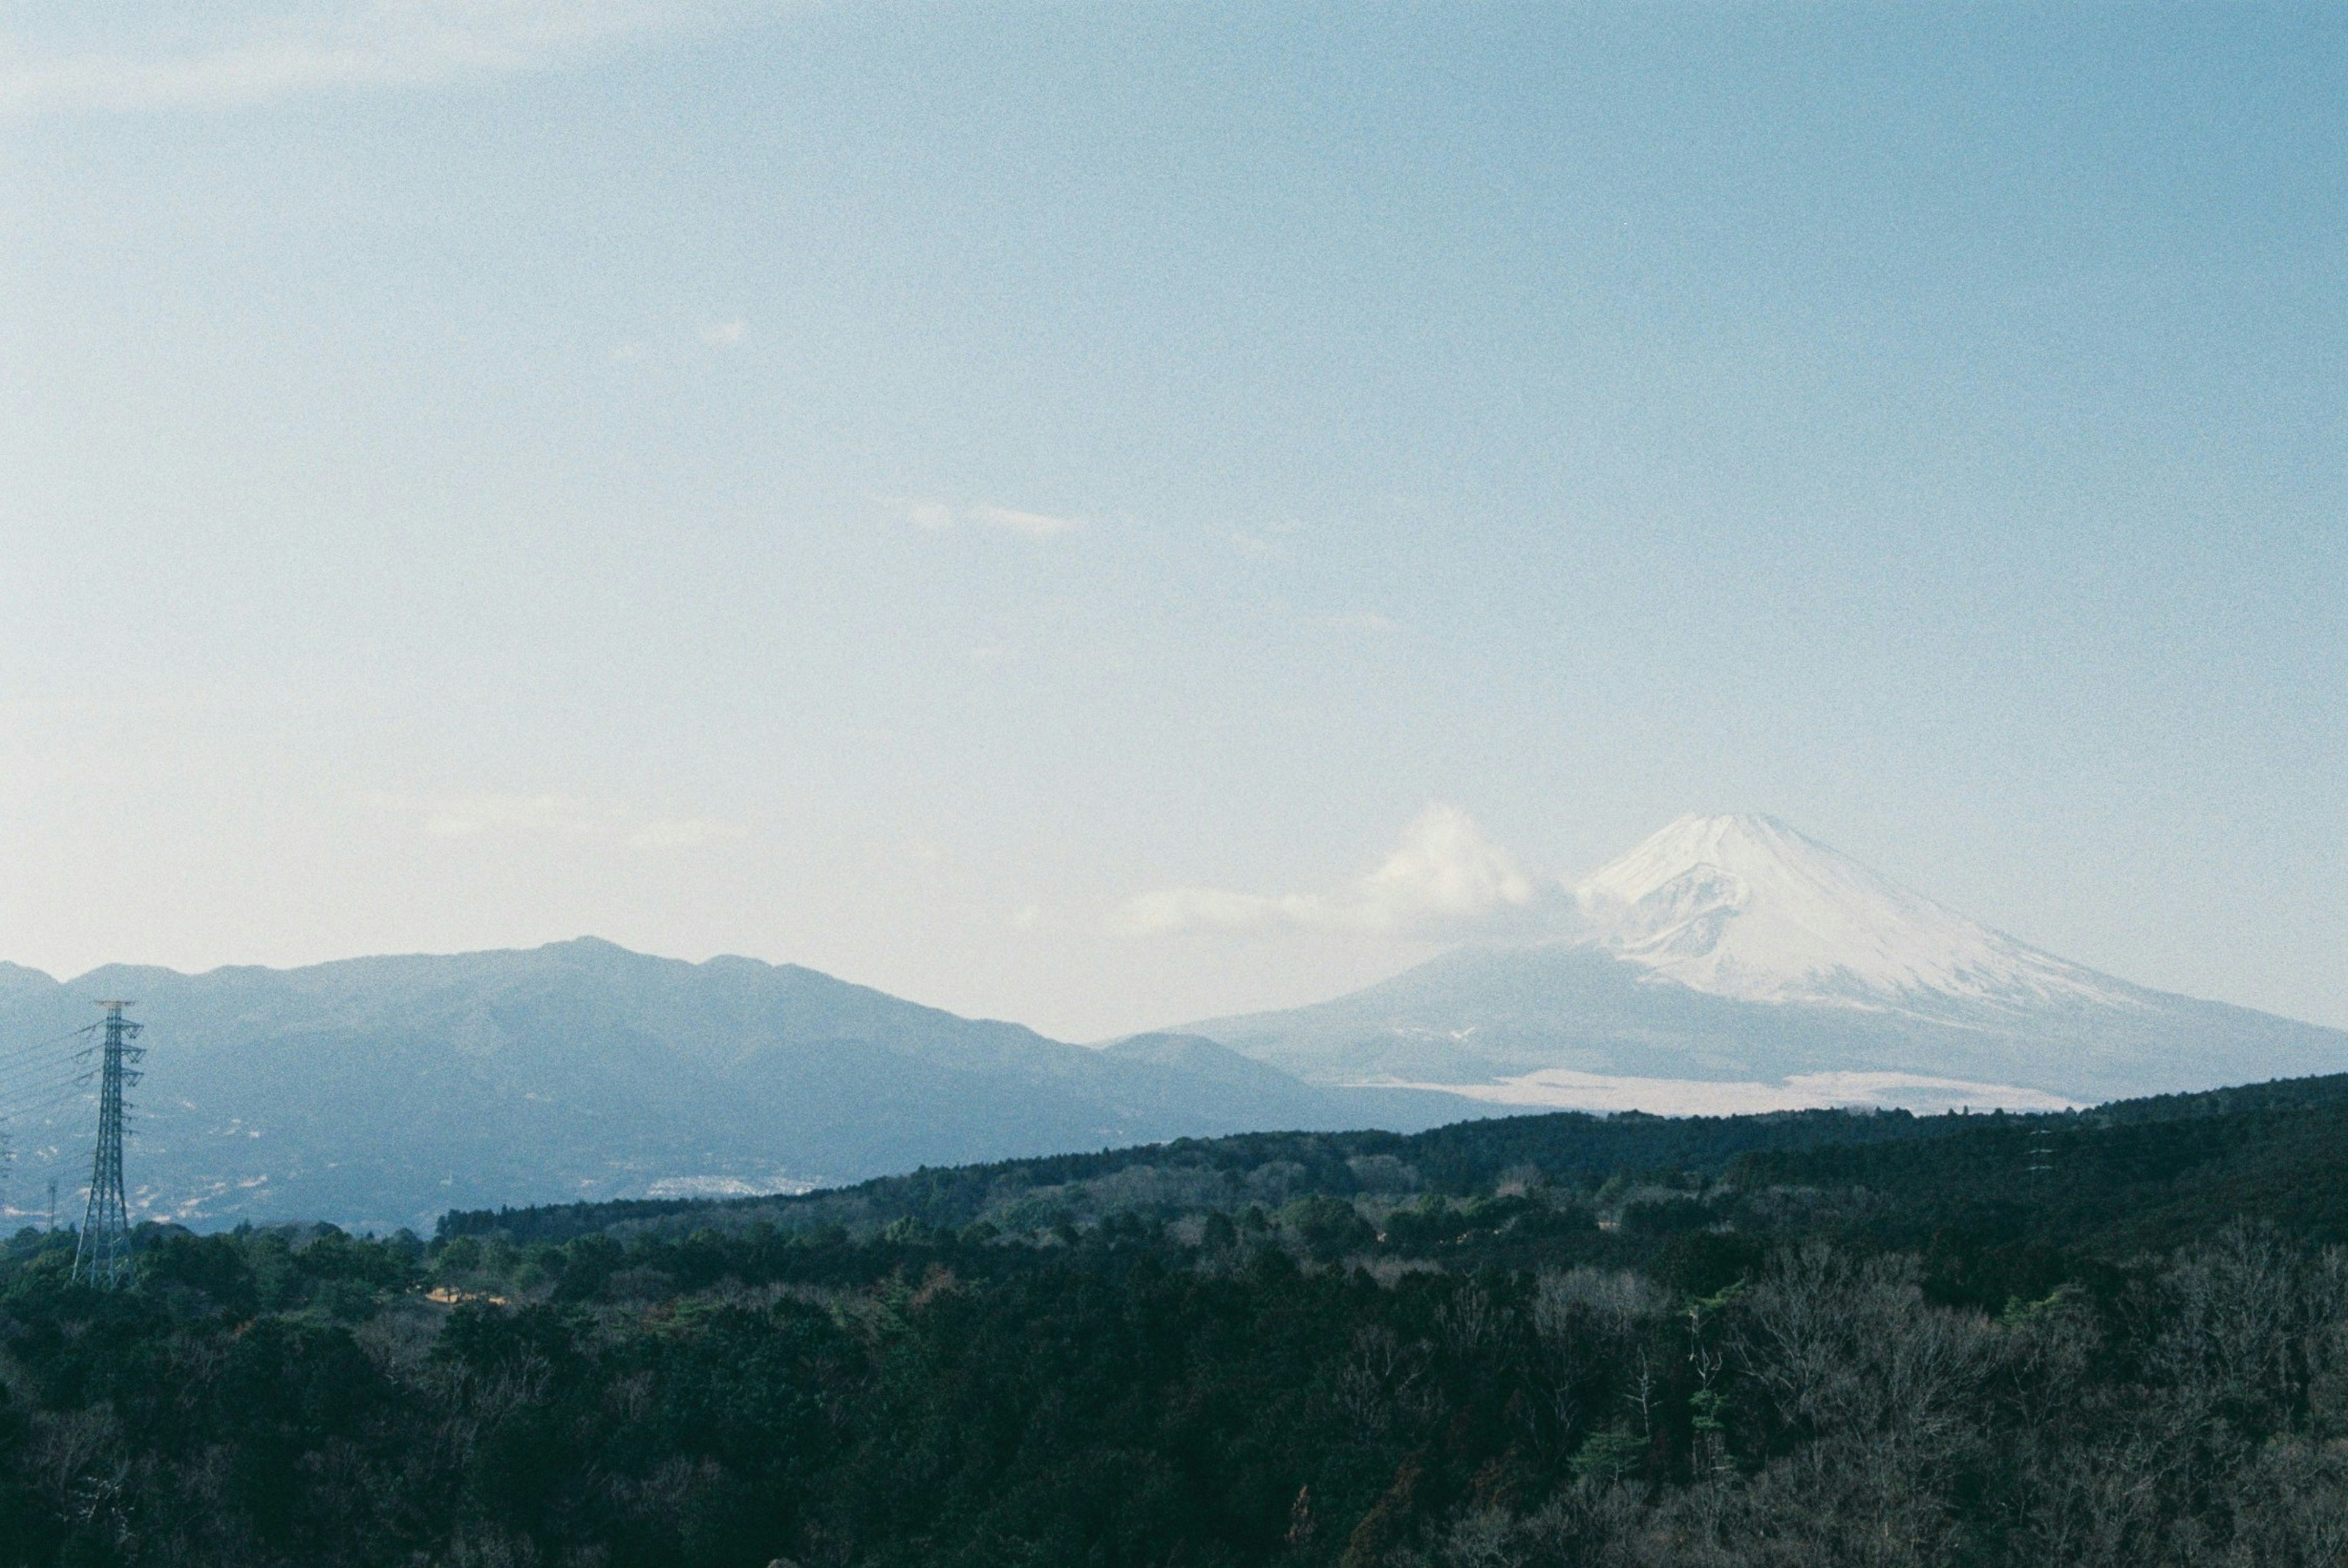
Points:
x=1027, y=507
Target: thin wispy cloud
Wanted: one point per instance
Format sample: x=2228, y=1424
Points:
x=1034, y=525
x=1446, y=879
x=723, y=335
x=682, y=832
x=234, y=56
x=1255, y=548
x=1361, y=620
x=936, y=516
x=549, y=816
x=469, y=816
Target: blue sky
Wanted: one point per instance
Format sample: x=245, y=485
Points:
x=891, y=486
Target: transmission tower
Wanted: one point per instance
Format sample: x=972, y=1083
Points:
x=102, y=1256
x=2040, y=1157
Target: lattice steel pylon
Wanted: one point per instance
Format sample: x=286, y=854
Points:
x=102, y=1256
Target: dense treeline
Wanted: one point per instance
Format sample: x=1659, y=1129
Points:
x=2123, y=1183
x=2195, y=1143
x=1462, y=1158
x=1783, y=1359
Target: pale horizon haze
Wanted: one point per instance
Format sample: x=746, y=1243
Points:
x=1105, y=516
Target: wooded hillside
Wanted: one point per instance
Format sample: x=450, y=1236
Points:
x=2116, y=1336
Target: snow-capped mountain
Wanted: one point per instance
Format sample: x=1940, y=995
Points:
x=1746, y=906
x=1730, y=962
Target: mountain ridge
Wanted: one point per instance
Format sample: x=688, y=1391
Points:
x=380, y=1090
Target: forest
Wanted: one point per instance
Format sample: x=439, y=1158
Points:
x=2108, y=1337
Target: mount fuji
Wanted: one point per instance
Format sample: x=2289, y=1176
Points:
x=1731, y=964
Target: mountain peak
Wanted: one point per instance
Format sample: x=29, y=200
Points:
x=1744, y=905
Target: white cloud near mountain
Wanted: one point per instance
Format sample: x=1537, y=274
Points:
x=236, y=56
x=1446, y=878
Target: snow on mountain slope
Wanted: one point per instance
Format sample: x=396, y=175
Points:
x=1744, y=907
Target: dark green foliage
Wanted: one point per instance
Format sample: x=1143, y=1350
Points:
x=2118, y=1179
x=1904, y=1350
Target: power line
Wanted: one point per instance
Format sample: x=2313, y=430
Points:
x=32, y=1066
x=72, y=1033
x=31, y=1078
x=56, y=1046
x=42, y=1065
x=39, y=1080
x=30, y=1094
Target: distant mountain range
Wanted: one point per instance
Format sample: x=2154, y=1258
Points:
x=1730, y=964
x=1726, y=965
x=382, y=1092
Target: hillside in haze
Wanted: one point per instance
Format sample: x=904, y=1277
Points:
x=1728, y=963
x=384, y=1090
